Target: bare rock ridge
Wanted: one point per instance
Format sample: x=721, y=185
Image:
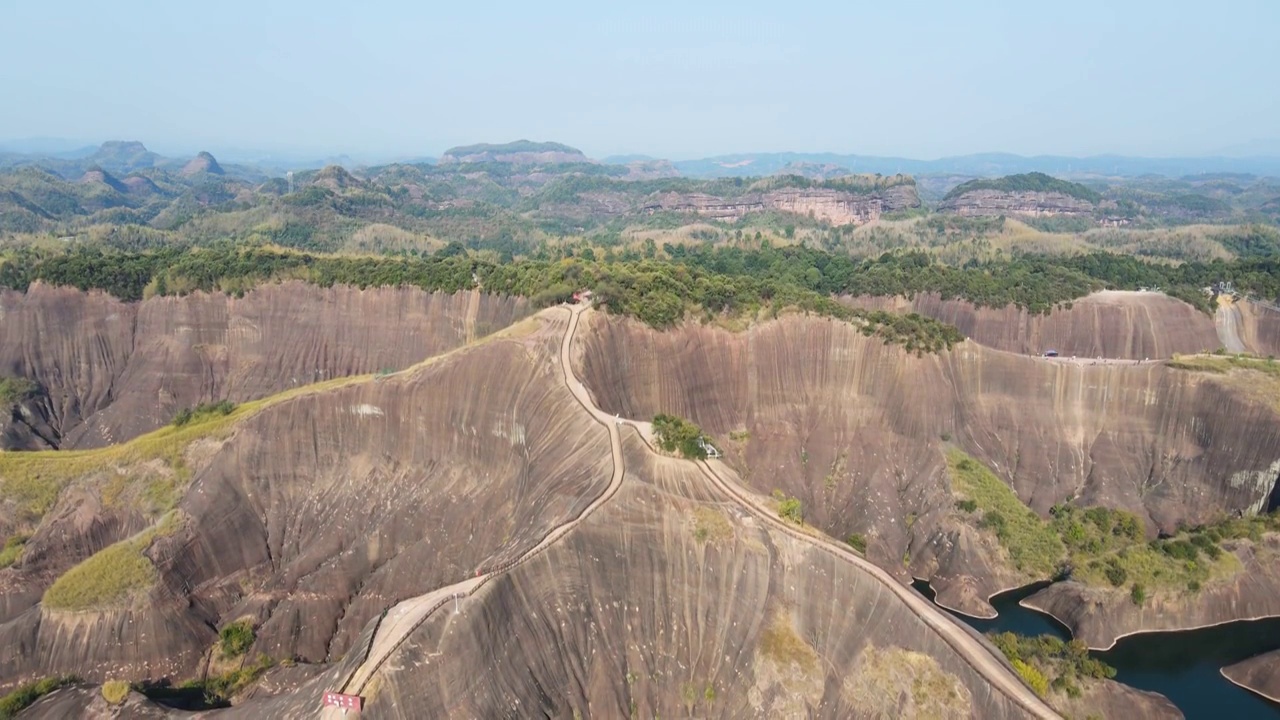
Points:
x=1259, y=327
x=1260, y=674
x=749, y=623
x=320, y=512
x=838, y=207
x=110, y=370
x=853, y=428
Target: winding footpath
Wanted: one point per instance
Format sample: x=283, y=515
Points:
x=406, y=617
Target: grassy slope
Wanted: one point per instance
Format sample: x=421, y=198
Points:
x=1032, y=545
x=1091, y=540
x=112, y=575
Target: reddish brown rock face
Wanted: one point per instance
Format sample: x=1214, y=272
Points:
x=112, y=370
x=322, y=511
x=833, y=206
x=853, y=428
x=1260, y=674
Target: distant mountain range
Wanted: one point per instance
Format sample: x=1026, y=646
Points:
x=72, y=158
x=980, y=165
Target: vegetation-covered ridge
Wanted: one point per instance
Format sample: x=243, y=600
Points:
x=658, y=292
x=657, y=286
x=1098, y=546
x=1027, y=182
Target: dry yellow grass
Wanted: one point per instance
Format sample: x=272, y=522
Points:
x=894, y=682
x=782, y=644
x=711, y=525
x=1256, y=378
x=112, y=575
x=115, y=691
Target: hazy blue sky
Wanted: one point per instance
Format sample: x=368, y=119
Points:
x=919, y=79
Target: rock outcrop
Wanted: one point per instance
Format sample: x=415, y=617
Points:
x=1259, y=328
x=1108, y=324
x=837, y=207
x=110, y=370
x=336, y=179
x=204, y=163
x=998, y=202
x=1260, y=674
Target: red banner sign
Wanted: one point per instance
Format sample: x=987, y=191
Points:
x=346, y=702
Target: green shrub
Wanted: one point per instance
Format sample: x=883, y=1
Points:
x=1138, y=594
x=789, y=509
x=857, y=541
x=219, y=689
x=1032, y=544
x=967, y=505
x=15, y=389
x=993, y=520
x=12, y=550
x=1116, y=575
x=676, y=434
x=236, y=638
x=203, y=410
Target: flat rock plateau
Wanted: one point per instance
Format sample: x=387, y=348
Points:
x=427, y=508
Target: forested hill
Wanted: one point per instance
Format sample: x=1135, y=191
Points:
x=1028, y=182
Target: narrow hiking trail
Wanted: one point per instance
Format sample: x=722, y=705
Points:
x=403, y=619
x=407, y=616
